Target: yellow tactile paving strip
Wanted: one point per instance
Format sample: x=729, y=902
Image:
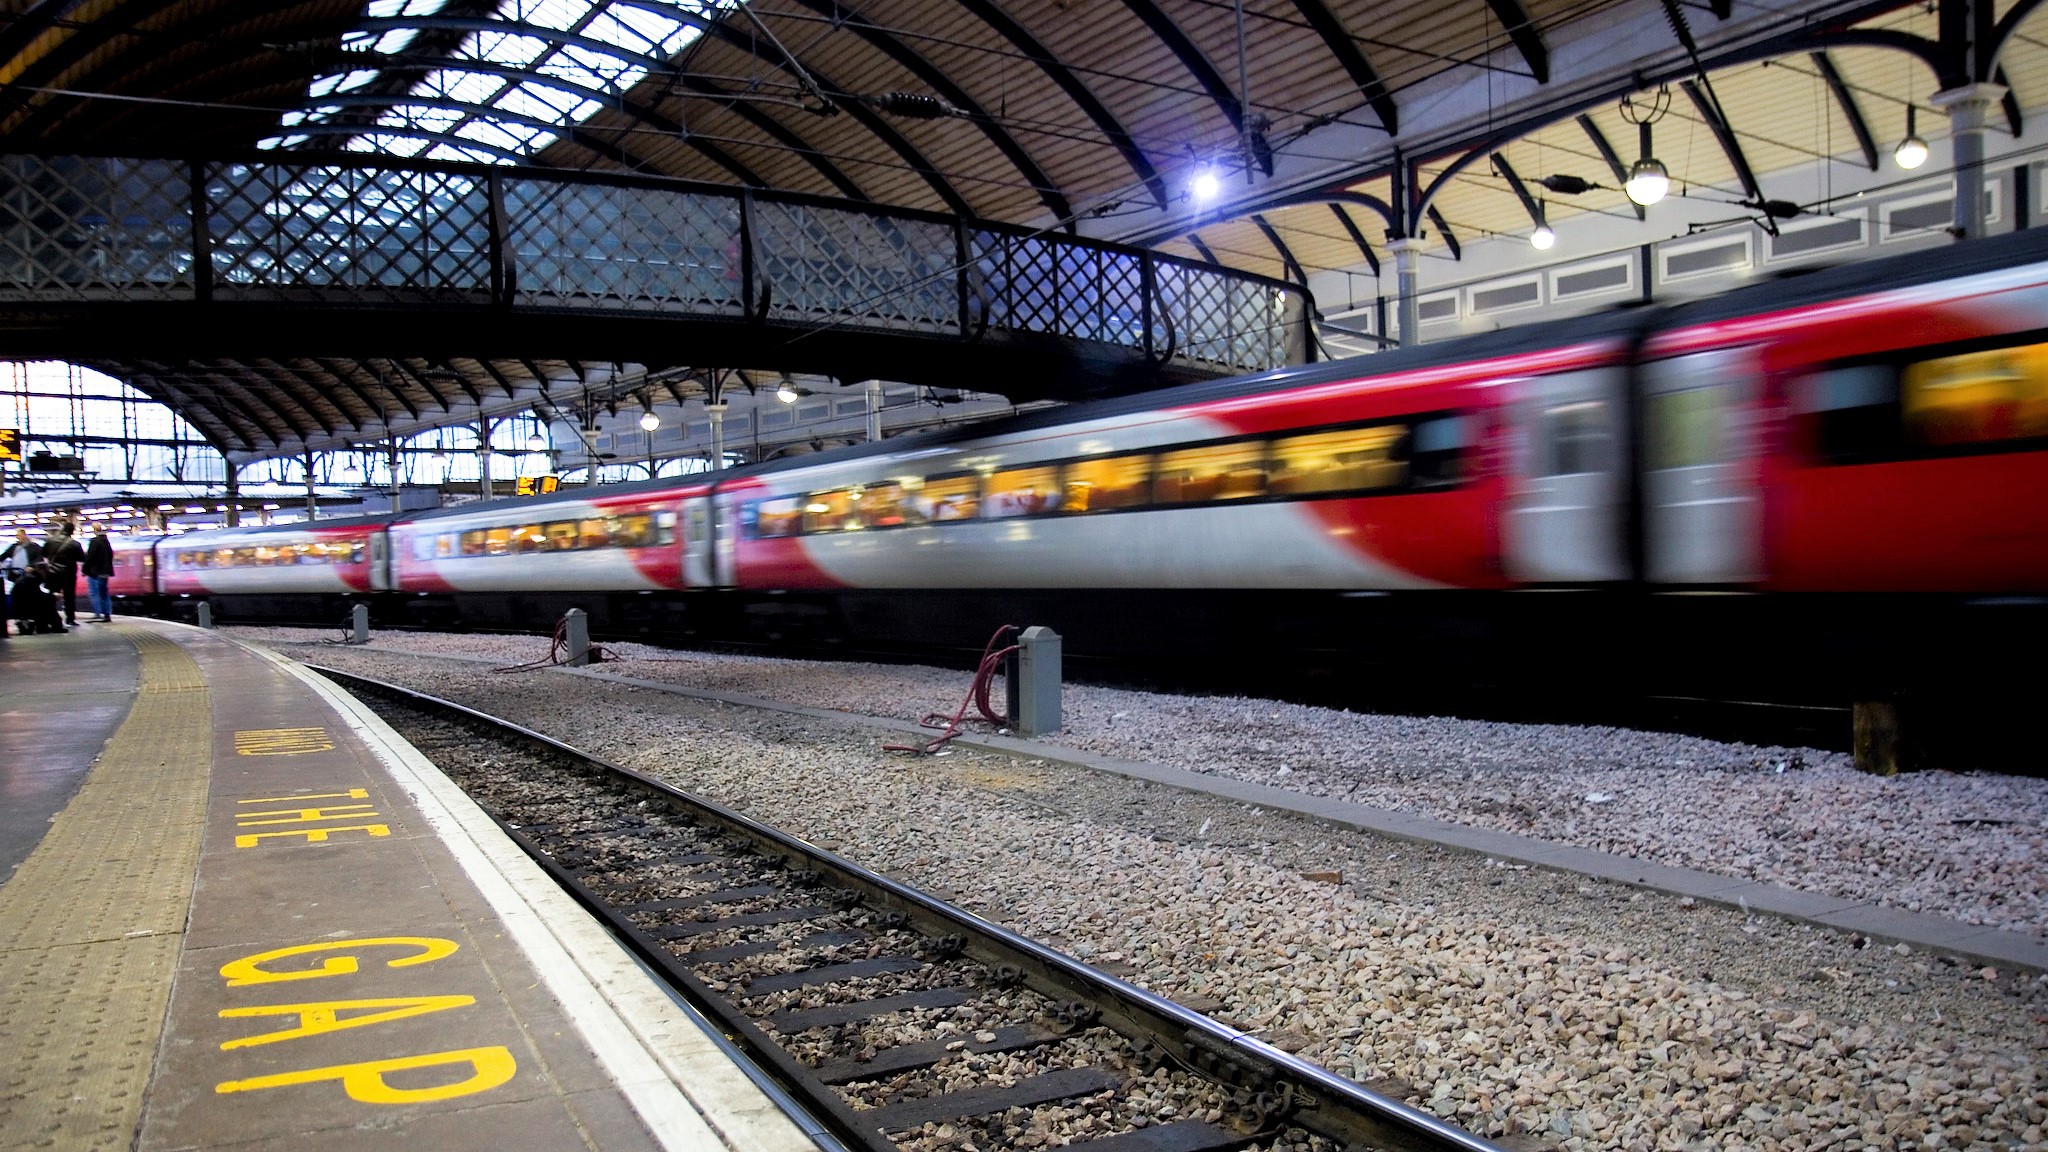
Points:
x=91, y=923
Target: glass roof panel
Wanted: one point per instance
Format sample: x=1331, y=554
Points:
x=639, y=29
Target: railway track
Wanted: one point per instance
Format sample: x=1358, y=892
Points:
x=899, y=1021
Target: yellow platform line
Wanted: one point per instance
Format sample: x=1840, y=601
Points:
x=92, y=921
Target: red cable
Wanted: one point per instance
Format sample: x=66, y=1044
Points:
x=977, y=695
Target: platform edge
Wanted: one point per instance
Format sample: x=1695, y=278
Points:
x=660, y=1058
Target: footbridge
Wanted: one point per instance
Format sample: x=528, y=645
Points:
x=251, y=263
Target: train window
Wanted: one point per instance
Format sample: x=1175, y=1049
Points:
x=664, y=527
x=497, y=541
x=1107, y=482
x=1976, y=397
x=1573, y=438
x=1353, y=460
x=448, y=544
x=592, y=533
x=635, y=531
x=830, y=511
x=1685, y=428
x=782, y=516
x=1855, y=412
x=877, y=506
x=1438, y=450
x=1022, y=492
x=1213, y=472
x=561, y=535
x=528, y=538
x=946, y=498
x=423, y=547
x=473, y=542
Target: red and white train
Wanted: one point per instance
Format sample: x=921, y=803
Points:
x=1834, y=480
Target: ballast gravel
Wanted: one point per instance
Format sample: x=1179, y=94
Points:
x=1512, y=1001
x=1972, y=847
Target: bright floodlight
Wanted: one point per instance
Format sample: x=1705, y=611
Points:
x=786, y=394
x=1206, y=186
x=649, y=421
x=1647, y=182
x=1543, y=239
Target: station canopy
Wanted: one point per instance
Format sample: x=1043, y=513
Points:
x=1283, y=137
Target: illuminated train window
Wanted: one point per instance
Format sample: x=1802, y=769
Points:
x=633, y=530
x=1423, y=454
x=1980, y=400
x=271, y=555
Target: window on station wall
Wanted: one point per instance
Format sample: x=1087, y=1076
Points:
x=1021, y=492
x=1107, y=483
x=1348, y=460
x=1214, y=472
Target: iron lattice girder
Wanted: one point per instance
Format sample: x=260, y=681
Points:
x=304, y=260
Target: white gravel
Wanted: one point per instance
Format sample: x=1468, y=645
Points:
x=1512, y=1000
x=1969, y=846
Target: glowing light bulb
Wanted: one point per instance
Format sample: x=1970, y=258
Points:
x=1648, y=182
x=1206, y=186
x=649, y=421
x=1911, y=153
x=786, y=394
x=1543, y=239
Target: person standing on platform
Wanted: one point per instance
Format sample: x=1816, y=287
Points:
x=99, y=568
x=64, y=554
x=15, y=563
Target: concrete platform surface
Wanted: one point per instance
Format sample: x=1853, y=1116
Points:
x=265, y=921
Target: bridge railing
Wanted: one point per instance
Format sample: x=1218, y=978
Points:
x=387, y=232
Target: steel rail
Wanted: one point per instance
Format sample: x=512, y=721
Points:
x=1279, y=1084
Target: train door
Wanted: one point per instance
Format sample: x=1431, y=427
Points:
x=1701, y=505
x=1565, y=519
x=725, y=531
x=697, y=542
x=380, y=561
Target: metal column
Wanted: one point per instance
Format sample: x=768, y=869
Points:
x=1967, y=108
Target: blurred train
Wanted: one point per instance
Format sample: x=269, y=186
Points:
x=1825, y=486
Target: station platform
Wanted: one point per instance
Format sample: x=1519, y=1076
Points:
x=244, y=913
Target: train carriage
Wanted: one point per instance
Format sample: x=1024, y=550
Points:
x=287, y=571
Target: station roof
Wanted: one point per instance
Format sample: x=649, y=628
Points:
x=1325, y=121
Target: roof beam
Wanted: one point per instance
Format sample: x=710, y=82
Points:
x=917, y=65
x=347, y=379
x=1287, y=259
x=1119, y=137
x=1526, y=35
x=250, y=382
x=316, y=388
x=1372, y=260
x=1521, y=190
x=1191, y=57
x=1352, y=58
x=298, y=401
x=212, y=423
x=492, y=371
x=1196, y=240
x=1443, y=228
x=880, y=129
x=1608, y=154
x=225, y=408
x=1710, y=111
x=2008, y=102
x=1846, y=100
